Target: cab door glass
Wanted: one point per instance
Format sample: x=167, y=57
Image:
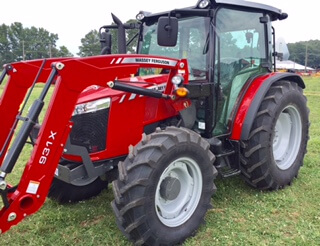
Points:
x=240, y=54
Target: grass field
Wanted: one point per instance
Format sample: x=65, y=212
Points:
x=241, y=215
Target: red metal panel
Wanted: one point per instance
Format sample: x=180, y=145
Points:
x=245, y=105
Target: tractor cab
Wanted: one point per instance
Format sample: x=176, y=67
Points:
x=226, y=43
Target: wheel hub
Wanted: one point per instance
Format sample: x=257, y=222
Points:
x=170, y=188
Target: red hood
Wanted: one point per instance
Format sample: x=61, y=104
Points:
x=95, y=92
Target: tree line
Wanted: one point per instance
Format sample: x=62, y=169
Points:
x=19, y=43
x=305, y=53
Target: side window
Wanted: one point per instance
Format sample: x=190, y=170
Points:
x=240, y=41
x=243, y=46
x=197, y=53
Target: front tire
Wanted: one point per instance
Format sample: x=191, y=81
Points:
x=274, y=152
x=164, y=187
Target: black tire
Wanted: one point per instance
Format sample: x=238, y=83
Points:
x=153, y=177
x=273, y=154
x=85, y=189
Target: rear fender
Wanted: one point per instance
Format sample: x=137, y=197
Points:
x=251, y=100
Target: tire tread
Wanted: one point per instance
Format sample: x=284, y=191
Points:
x=254, y=157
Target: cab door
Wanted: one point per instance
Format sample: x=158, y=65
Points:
x=241, y=53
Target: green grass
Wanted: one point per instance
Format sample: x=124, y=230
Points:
x=241, y=215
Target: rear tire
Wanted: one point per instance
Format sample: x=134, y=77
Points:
x=274, y=152
x=164, y=188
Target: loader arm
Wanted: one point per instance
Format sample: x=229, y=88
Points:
x=71, y=77
x=21, y=77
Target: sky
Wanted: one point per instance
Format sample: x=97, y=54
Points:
x=73, y=19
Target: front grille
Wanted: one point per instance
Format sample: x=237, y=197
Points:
x=90, y=130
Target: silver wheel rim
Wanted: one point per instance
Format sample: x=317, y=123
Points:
x=186, y=175
x=287, y=137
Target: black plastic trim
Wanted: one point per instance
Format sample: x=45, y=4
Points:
x=202, y=89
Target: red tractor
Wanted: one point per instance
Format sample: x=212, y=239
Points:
x=202, y=93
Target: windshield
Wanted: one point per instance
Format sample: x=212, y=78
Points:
x=192, y=44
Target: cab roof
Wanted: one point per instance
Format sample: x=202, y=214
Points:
x=275, y=13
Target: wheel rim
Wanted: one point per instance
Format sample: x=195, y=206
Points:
x=287, y=137
x=178, y=192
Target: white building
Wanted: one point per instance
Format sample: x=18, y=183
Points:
x=292, y=66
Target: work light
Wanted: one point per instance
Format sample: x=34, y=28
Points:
x=177, y=80
x=203, y=4
x=141, y=15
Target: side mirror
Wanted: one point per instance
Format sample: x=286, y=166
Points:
x=167, y=31
x=105, y=40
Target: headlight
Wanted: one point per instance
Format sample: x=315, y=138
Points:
x=177, y=80
x=91, y=107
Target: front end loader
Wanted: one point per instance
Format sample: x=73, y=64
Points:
x=201, y=97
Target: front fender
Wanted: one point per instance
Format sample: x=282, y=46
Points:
x=251, y=101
